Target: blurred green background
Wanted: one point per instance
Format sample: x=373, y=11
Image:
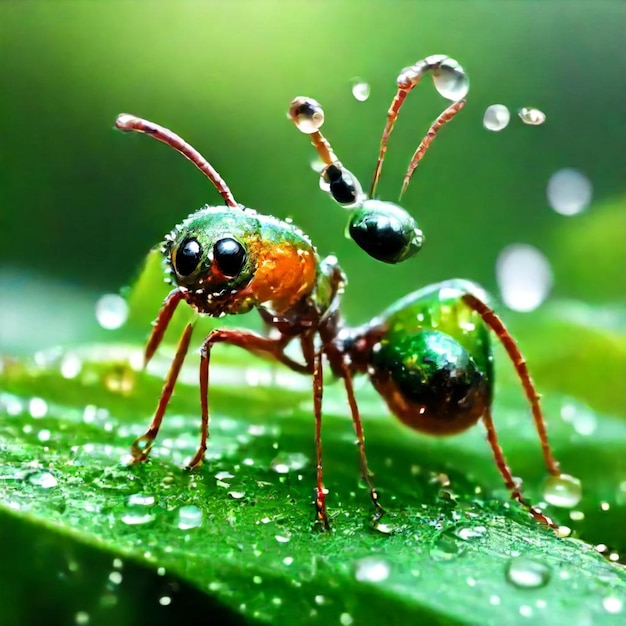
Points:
x=81, y=204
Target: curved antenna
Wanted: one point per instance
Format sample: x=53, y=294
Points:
x=127, y=123
x=450, y=81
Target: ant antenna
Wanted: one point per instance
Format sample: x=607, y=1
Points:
x=450, y=81
x=126, y=122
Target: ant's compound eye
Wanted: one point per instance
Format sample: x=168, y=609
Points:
x=307, y=114
x=385, y=231
x=230, y=256
x=187, y=257
x=342, y=185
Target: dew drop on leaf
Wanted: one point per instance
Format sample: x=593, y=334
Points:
x=527, y=573
x=189, y=516
x=372, y=569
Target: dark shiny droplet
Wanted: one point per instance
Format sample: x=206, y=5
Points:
x=343, y=185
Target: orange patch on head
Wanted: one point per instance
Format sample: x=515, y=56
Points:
x=285, y=273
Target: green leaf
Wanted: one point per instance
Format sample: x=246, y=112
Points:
x=236, y=538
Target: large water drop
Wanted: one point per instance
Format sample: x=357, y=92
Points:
x=524, y=276
x=563, y=491
x=496, y=117
x=360, y=89
x=450, y=80
x=527, y=573
x=111, y=311
x=569, y=192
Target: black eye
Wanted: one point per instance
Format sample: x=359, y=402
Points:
x=230, y=256
x=187, y=257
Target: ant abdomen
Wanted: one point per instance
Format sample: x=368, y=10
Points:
x=433, y=362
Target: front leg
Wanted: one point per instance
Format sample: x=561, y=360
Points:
x=252, y=342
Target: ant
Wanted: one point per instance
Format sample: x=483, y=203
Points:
x=428, y=355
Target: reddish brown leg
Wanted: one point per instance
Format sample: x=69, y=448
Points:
x=497, y=325
x=503, y=468
x=248, y=341
x=360, y=437
x=435, y=127
x=141, y=446
x=160, y=325
x=318, y=390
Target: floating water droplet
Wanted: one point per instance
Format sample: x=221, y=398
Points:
x=45, y=480
x=288, y=560
x=527, y=573
x=450, y=80
x=569, y=192
x=604, y=506
x=494, y=600
x=320, y=600
x=345, y=619
x=307, y=114
x=111, y=311
x=360, y=89
x=576, y=516
x=372, y=569
x=189, y=516
x=71, y=366
x=165, y=600
x=563, y=491
x=44, y=435
x=257, y=580
x=496, y=117
x=38, y=408
x=524, y=276
x=284, y=462
x=115, y=578
x=612, y=604
x=526, y=611
x=532, y=116
x=81, y=618
x=581, y=417
x=446, y=548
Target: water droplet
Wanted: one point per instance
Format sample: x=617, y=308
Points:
x=45, y=480
x=115, y=578
x=563, y=491
x=165, y=600
x=189, y=516
x=37, y=407
x=360, y=89
x=576, y=516
x=236, y=495
x=604, y=506
x=581, y=417
x=111, y=311
x=372, y=569
x=526, y=611
x=71, y=366
x=81, y=618
x=136, y=518
x=288, y=560
x=282, y=538
x=569, y=192
x=496, y=117
x=532, y=116
x=446, y=548
x=140, y=499
x=284, y=463
x=450, y=79
x=320, y=600
x=307, y=114
x=494, y=600
x=612, y=604
x=527, y=573
x=44, y=435
x=524, y=276
x=345, y=619
x=471, y=532
x=257, y=580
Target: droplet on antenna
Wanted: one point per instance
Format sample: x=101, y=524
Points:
x=307, y=114
x=450, y=79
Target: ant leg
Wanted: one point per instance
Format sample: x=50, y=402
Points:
x=503, y=468
x=497, y=325
x=160, y=324
x=140, y=448
x=318, y=390
x=435, y=127
x=249, y=341
x=358, y=427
